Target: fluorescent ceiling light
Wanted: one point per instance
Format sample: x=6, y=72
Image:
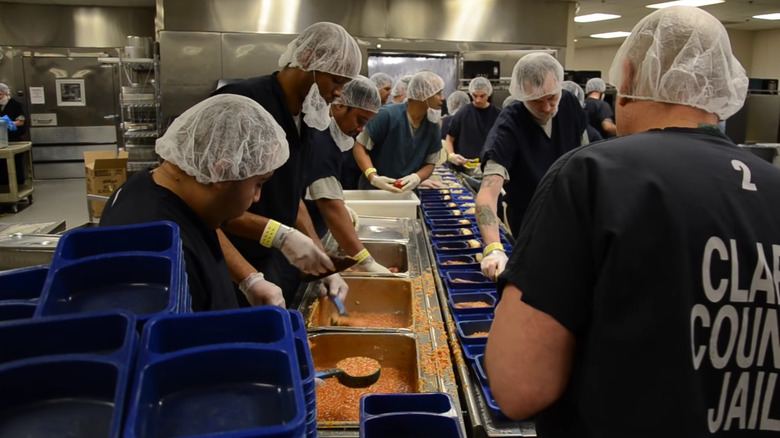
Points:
x=694, y=3
x=620, y=34
x=595, y=17
x=775, y=16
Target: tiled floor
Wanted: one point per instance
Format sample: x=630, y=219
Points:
x=53, y=200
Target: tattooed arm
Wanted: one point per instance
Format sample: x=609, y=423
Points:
x=487, y=200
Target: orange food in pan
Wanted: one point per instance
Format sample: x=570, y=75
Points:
x=471, y=304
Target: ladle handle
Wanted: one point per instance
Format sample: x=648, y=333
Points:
x=330, y=372
x=339, y=305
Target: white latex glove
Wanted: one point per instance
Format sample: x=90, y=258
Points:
x=334, y=285
x=385, y=183
x=456, y=159
x=493, y=264
x=354, y=216
x=370, y=265
x=261, y=292
x=302, y=253
x=409, y=182
x=431, y=184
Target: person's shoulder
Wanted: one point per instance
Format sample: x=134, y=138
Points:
x=248, y=87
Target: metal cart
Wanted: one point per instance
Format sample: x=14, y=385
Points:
x=17, y=187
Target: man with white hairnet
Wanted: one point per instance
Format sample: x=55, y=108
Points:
x=398, y=94
x=384, y=83
x=314, y=68
x=469, y=128
x=400, y=147
x=524, y=142
x=575, y=89
x=217, y=156
x=642, y=291
x=455, y=101
x=599, y=112
x=358, y=104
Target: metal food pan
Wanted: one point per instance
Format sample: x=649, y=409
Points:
x=383, y=228
x=390, y=254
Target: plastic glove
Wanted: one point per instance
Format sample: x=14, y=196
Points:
x=354, y=216
x=302, y=253
x=457, y=159
x=493, y=264
x=370, y=265
x=409, y=182
x=431, y=184
x=9, y=123
x=334, y=285
x=385, y=183
x=261, y=292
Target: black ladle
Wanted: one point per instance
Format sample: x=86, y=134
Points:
x=349, y=380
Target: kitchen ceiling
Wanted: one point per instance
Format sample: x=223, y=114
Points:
x=734, y=14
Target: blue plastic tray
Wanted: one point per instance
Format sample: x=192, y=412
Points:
x=476, y=280
x=148, y=237
x=14, y=310
x=410, y=425
x=465, y=232
x=430, y=206
x=469, y=263
x=431, y=403
x=230, y=390
x=23, y=284
x=473, y=350
x=487, y=298
x=444, y=214
x=468, y=328
x=452, y=223
x=458, y=317
x=454, y=247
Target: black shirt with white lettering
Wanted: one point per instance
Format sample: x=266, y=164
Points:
x=660, y=253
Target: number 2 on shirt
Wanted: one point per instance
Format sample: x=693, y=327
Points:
x=742, y=167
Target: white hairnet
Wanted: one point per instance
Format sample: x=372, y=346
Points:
x=595, y=84
x=424, y=85
x=399, y=89
x=381, y=80
x=536, y=75
x=508, y=100
x=226, y=137
x=4, y=88
x=575, y=89
x=681, y=55
x=360, y=93
x=457, y=100
x=324, y=47
x=480, y=84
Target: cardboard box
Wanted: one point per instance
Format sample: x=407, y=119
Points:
x=105, y=172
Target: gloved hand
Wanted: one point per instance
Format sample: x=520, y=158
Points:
x=354, y=216
x=409, y=182
x=431, y=184
x=493, y=264
x=302, y=253
x=334, y=285
x=9, y=122
x=385, y=183
x=456, y=159
x=370, y=265
x=261, y=292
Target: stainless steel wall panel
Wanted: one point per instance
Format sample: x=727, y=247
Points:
x=67, y=153
x=72, y=134
x=72, y=26
x=245, y=55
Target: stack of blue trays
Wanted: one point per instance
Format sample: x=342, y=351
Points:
x=139, y=268
x=66, y=376
x=408, y=415
x=19, y=292
x=234, y=373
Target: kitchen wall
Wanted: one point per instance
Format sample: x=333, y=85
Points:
x=755, y=50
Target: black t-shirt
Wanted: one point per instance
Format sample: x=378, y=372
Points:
x=519, y=144
x=14, y=109
x=141, y=200
x=283, y=192
x=445, y=125
x=659, y=252
x=470, y=127
x=598, y=111
x=328, y=159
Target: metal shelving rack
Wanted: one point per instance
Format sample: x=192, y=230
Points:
x=140, y=108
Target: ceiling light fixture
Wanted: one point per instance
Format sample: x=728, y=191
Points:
x=619, y=34
x=595, y=17
x=775, y=16
x=694, y=3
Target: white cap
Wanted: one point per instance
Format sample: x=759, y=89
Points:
x=381, y=80
x=681, y=55
x=424, y=85
x=575, y=89
x=360, y=92
x=480, y=84
x=536, y=75
x=226, y=137
x=325, y=47
x=457, y=100
x=399, y=89
x=595, y=84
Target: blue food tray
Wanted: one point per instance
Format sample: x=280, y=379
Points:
x=240, y=390
x=445, y=205
x=459, y=317
x=470, y=263
x=467, y=328
x=152, y=237
x=14, y=310
x=487, y=298
x=432, y=403
x=451, y=223
x=472, y=350
x=477, y=280
x=454, y=247
x=444, y=214
x=410, y=424
x=22, y=285
x=465, y=232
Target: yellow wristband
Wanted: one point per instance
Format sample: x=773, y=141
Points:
x=267, y=239
x=492, y=247
x=361, y=256
x=369, y=171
